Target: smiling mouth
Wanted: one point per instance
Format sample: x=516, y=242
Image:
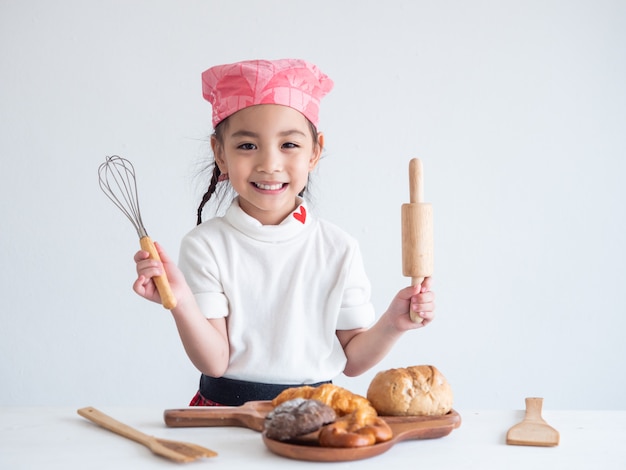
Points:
x=270, y=187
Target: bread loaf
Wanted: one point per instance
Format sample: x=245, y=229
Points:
x=411, y=391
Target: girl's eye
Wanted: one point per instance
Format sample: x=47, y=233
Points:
x=290, y=145
x=246, y=146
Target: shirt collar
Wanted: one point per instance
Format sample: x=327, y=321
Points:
x=294, y=224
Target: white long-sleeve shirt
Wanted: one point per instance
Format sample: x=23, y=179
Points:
x=284, y=290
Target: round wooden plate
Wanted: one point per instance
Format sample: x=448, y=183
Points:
x=404, y=428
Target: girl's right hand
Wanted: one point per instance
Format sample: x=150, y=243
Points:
x=148, y=268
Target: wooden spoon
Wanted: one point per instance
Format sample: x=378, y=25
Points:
x=533, y=430
x=173, y=450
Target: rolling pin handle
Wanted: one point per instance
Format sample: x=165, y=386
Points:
x=416, y=181
x=416, y=281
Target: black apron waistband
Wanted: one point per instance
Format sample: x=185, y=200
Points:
x=232, y=392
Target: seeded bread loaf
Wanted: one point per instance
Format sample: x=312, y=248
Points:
x=411, y=391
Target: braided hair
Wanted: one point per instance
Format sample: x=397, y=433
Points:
x=215, y=176
x=209, y=193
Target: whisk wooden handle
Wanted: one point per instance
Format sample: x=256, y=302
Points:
x=163, y=286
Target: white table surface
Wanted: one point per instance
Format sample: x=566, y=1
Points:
x=58, y=438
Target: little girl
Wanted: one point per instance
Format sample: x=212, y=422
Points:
x=269, y=296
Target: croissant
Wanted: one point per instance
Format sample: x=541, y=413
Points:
x=343, y=401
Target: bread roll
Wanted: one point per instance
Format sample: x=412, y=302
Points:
x=410, y=391
x=296, y=417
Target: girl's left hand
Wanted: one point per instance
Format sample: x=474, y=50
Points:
x=418, y=299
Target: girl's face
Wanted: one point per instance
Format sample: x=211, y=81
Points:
x=267, y=151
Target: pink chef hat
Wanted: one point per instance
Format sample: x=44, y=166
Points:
x=289, y=82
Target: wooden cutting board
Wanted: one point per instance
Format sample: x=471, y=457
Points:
x=252, y=415
x=404, y=428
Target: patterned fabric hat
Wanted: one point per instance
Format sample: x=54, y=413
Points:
x=288, y=82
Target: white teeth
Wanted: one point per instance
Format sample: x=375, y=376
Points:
x=269, y=187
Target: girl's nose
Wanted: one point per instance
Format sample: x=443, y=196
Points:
x=270, y=161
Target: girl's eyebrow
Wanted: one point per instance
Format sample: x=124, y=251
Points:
x=291, y=132
x=245, y=133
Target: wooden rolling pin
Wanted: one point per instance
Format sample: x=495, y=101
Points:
x=417, y=231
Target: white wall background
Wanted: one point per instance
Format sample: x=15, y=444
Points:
x=517, y=110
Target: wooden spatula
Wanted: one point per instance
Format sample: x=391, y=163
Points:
x=173, y=450
x=533, y=430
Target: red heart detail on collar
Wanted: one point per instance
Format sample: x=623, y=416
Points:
x=300, y=216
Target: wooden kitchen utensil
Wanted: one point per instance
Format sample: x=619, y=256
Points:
x=417, y=231
x=533, y=430
x=173, y=450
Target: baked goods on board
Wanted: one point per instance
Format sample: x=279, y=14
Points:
x=410, y=391
x=357, y=424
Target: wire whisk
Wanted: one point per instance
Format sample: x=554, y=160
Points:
x=118, y=182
